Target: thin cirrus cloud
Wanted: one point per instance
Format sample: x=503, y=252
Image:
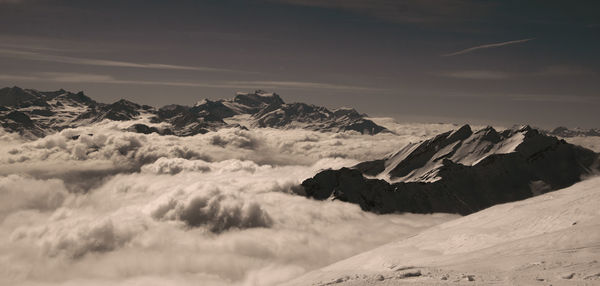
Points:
x=548, y=71
x=65, y=77
x=37, y=56
x=487, y=46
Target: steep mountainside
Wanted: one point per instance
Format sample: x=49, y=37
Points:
x=35, y=114
x=458, y=172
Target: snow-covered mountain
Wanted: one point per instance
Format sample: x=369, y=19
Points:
x=552, y=239
x=459, y=171
x=35, y=114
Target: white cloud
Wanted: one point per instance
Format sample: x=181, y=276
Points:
x=25, y=193
x=233, y=224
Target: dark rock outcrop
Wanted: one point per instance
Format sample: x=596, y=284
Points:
x=20, y=98
x=143, y=128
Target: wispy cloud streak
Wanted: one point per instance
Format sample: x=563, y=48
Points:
x=487, y=46
x=107, y=79
x=37, y=56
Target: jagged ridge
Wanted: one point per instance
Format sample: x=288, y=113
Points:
x=458, y=172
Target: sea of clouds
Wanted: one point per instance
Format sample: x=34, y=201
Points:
x=97, y=205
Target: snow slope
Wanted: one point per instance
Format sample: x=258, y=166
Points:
x=549, y=239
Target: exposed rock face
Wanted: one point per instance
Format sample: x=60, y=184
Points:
x=458, y=172
x=215, y=109
x=188, y=121
x=142, y=128
x=254, y=102
x=566, y=132
x=19, y=122
x=41, y=113
x=18, y=97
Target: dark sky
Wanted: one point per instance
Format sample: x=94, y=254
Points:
x=483, y=62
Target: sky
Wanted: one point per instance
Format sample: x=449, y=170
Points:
x=457, y=61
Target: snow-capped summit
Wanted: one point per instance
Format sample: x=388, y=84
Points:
x=421, y=162
x=459, y=171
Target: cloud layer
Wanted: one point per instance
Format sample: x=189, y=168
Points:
x=117, y=207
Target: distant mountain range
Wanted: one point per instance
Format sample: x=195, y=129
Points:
x=35, y=113
x=460, y=171
x=566, y=132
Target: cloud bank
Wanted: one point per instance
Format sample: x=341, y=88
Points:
x=98, y=205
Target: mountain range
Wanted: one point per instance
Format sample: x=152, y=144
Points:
x=35, y=113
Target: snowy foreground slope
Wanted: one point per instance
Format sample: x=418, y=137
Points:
x=549, y=239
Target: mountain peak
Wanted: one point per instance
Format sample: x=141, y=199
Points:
x=258, y=98
x=458, y=176
x=461, y=133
